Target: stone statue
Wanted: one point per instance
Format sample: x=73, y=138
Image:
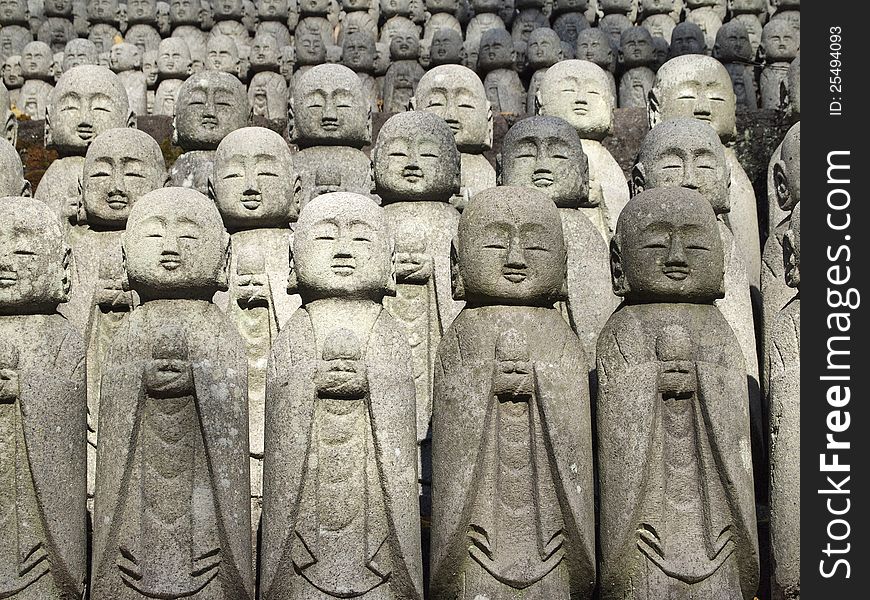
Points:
x=104, y=11
x=485, y=17
x=750, y=13
x=613, y=25
x=56, y=32
x=256, y=190
x=173, y=59
x=661, y=16
x=700, y=87
x=594, y=45
x=36, y=67
x=310, y=48
x=446, y=48
x=12, y=182
x=717, y=7
x=780, y=44
x=708, y=20
x=662, y=49
x=14, y=12
x=687, y=38
x=209, y=105
x=784, y=368
x=265, y=53
x=278, y=30
x=171, y=512
x=142, y=11
x=187, y=19
x=416, y=168
x=620, y=7
x=775, y=291
x=126, y=60
x=404, y=72
x=543, y=50
x=331, y=122
x=103, y=35
x=145, y=37
x=13, y=38
x=222, y=55
x=568, y=26
x=526, y=21
x=636, y=56
x=734, y=50
x=79, y=52
x=228, y=16
x=512, y=503
x=579, y=92
x=358, y=54
x=269, y=98
x=356, y=21
x=86, y=101
x=676, y=479
x=693, y=146
x=13, y=79
x=456, y=94
x=341, y=516
x=166, y=97
x=43, y=544
x=164, y=23
x=496, y=64
x=397, y=15
x=546, y=154
x=442, y=15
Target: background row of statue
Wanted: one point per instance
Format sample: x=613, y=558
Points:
x=391, y=60
x=414, y=177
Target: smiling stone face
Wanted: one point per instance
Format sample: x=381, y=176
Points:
x=33, y=257
x=579, y=92
x=545, y=153
x=86, y=101
x=36, y=60
x=687, y=38
x=544, y=48
x=121, y=166
x=173, y=58
x=254, y=182
x=79, y=52
x=342, y=248
x=667, y=249
x=446, y=47
x=175, y=245
x=781, y=41
x=330, y=107
x=210, y=105
x=456, y=94
x=415, y=158
x=222, y=54
x=636, y=48
x=510, y=248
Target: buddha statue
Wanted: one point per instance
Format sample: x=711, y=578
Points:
x=752, y=14
x=13, y=38
x=341, y=516
x=780, y=44
x=734, y=50
x=79, y=52
x=141, y=12
x=613, y=25
x=37, y=62
x=269, y=98
x=331, y=122
x=13, y=79
x=173, y=59
x=446, y=48
x=528, y=19
x=709, y=20
x=660, y=16
x=222, y=55
x=636, y=57
x=486, y=17
x=496, y=65
x=543, y=50
x=145, y=37
x=676, y=478
x=442, y=15
x=512, y=501
x=593, y=45
x=187, y=19
x=546, y=154
x=228, y=16
x=358, y=54
x=404, y=72
x=166, y=97
x=579, y=92
x=687, y=38
x=209, y=105
x=125, y=59
x=56, y=32
x=416, y=169
x=171, y=510
x=43, y=540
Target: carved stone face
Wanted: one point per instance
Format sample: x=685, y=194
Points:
x=616, y=6
x=141, y=11
x=404, y=46
x=594, y=45
x=310, y=49
x=210, y=105
x=272, y=9
x=166, y=97
x=569, y=25
x=255, y=182
x=394, y=7
x=124, y=57
x=121, y=166
x=36, y=60
x=13, y=39
x=685, y=153
x=510, y=248
x=456, y=94
x=544, y=153
x=173, y=58
x=103, y=11
x=13, y=11
x=163, y=22
x=436, y=6
x=264, y=52
x=747, y=6
x=781, y=41
x=787, y=170
x=79, y=52
x=662, y=48
x=695, y=86
x=570, y=5
x=667, y=249
x=636, y=48
x=578, y=92
x=526, y=22
x=657, y=7
x=613, y=25
x=687, y=38
x=544, y=48
x=329, y=106
x=732, y=43
x=12, y=182
x=358, y=52
x=222, y=54
x=415, y=158
x=228, y=9
x=496, y=51
x=446, y=47
x=12, y=76
x=86, y=101
x=184, y=12
x=342, y=248
x=33, y=257
x=58, y=8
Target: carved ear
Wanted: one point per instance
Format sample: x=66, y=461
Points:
x=368, y=133
x=290, y=129
x=490, y=125
x=292, y=279
x=538, y=102
x=223, y=276
x=390, y=287
x=296, y=200
x=210, y=191
x=78, y=216
x=456, y=282
x=131, y=120
x=65, y=283
x=653, y=108
x=412, y=103
x=46, y=130
x=26, y=189
x=617, y=275
x=499, y=167
x=10, y=128
x=780, y=185
x=638, y=179
x=174, y=137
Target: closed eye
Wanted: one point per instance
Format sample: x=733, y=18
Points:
x=397, y=154
x=232, y=175
x=100, y=174
x=495, y=246
x=188, y=237
x=428, y=155
x=538, y=248
x=361, y=239
x=466, y=106
x=268, y=174
x=102, y=109
x=25, y=253
x=325, y=237
x=560, y=156
x=139, y=175
x=694, y=247
x=655, y=245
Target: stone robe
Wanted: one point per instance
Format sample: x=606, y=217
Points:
x=324, y=169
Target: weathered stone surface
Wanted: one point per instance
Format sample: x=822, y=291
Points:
x=43, y=544
x=341, y=516
x=172, y=510
x=671, y=381
x=511, y=451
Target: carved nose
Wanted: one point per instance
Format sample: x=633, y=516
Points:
x=676, y=252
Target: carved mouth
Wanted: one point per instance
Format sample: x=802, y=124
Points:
x=329, y=124
x=209, y=122
x=85, y=132
x=455, y=126
x=412, y=175
x=117, y=201
x=543, y=179
x=514, y=276
x=676, y=273
x=705, y=118
x=252, y=202
x=581, y=110
x=170, y=263
x=8, y=279
x=343, y=269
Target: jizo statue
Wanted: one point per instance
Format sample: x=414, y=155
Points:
x=512, y=502
x=676, y=478
x=172, y=510
x=43, y=544
x=341, y=514
x=416, y=168
x=637, y=57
